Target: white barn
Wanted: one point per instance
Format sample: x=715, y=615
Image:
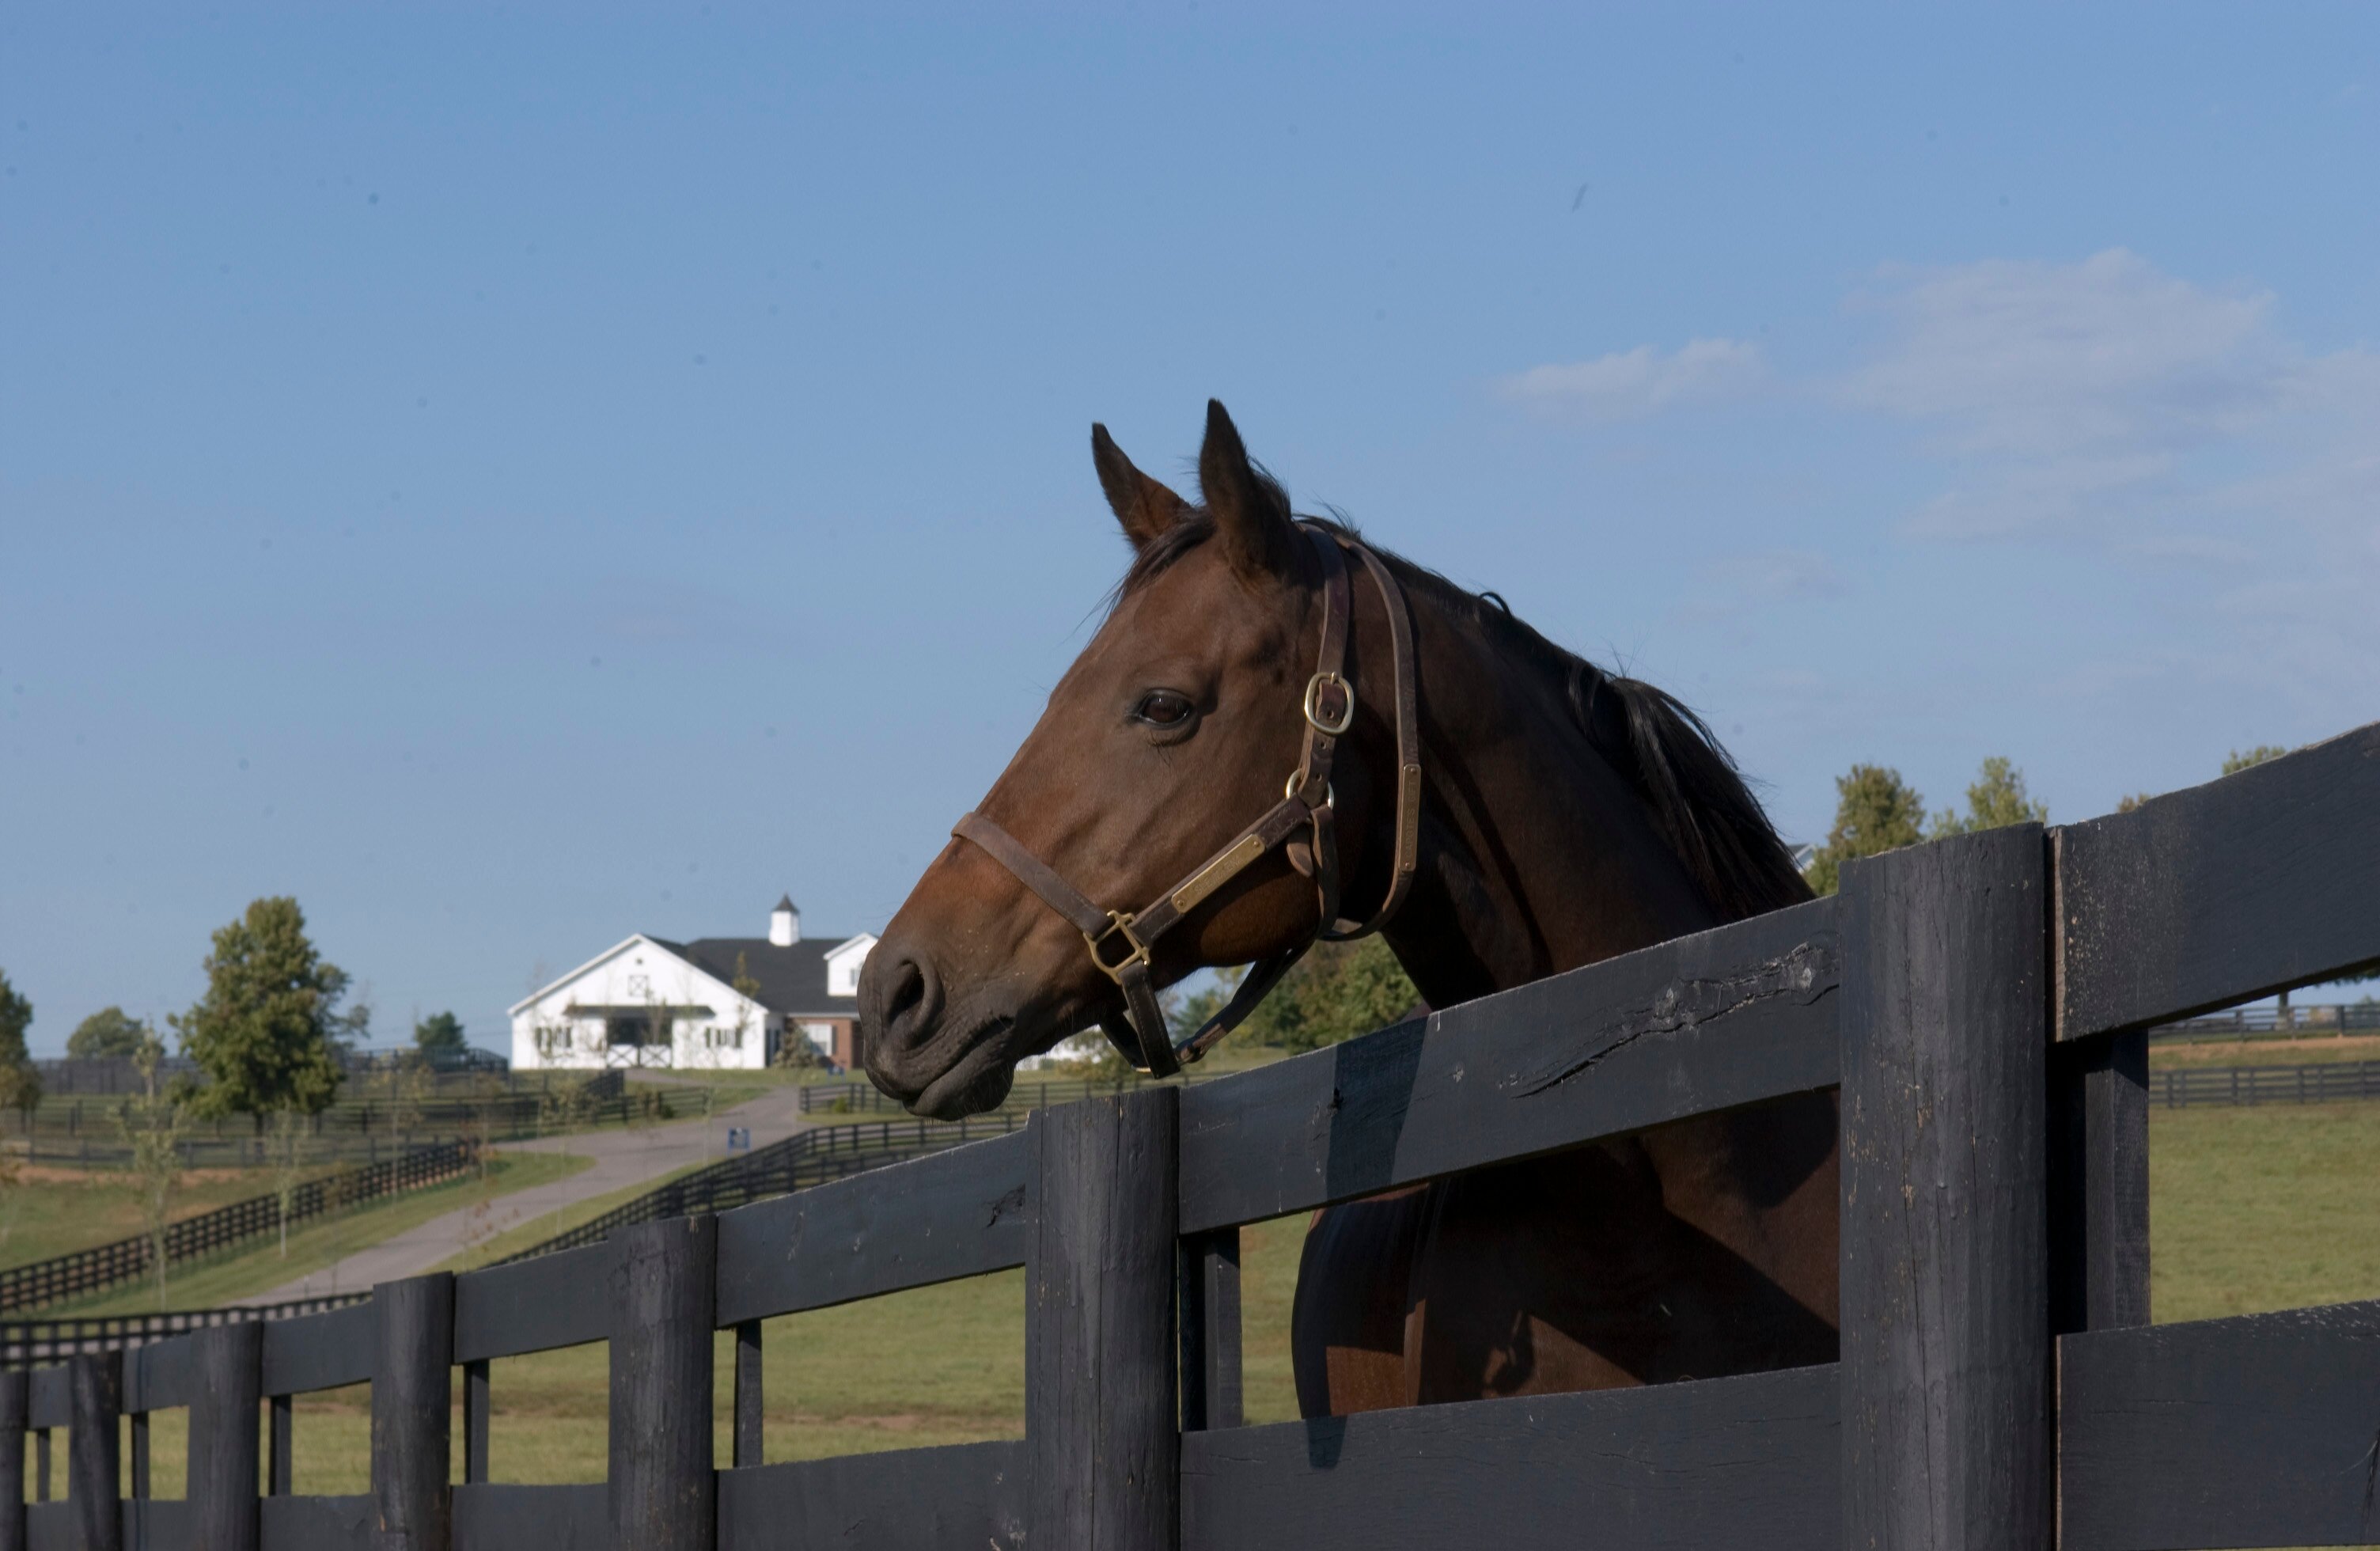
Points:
x=648, y=1001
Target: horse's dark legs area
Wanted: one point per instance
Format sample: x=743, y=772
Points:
x=1704, y=1248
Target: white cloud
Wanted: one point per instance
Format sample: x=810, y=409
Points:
x=1633, y=383
x=2107, y=392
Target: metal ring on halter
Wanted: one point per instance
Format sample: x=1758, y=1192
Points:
x=1314, y=687
x=1297, y=779
x=1119, y=923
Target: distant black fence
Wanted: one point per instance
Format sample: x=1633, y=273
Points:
x=856, y=1096
x=92, y=1270
x=26, y=1341
x=2304, y=1021
x=799, y=1162
x=364, y=1127
x=1981, y=1003
x=2182, y=1086
x=119, y=1074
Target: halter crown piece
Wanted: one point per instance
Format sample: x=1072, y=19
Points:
x=1121, y=940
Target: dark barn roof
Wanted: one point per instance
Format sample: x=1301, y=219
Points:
x=792, y=979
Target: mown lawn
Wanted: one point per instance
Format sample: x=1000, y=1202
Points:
x=2252, y=1209
x=48, y=1210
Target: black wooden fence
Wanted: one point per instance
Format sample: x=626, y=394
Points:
x=105, y=1266
x=1980, y=1002
x=24, y=1342
x=2180, y=1088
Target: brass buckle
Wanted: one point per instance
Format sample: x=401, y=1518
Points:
x=1119, y=921
x=1313, y=688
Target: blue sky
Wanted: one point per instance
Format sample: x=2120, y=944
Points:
x=510, y=477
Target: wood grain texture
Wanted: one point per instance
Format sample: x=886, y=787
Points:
x=956, y=1214
x=94, y=1449
x=317, y=1523
x=320, y=1350
x=2230, y=890
x=2254, y=1431
x=1731, y=1461
x=1209, y=1313
x=967, y=1497
x=1709, y=1022
x=226, y=1364
x=662, y=1301
x=1101, y=1410
x=504, y=1518
x=534, y=1305
x=16, y=1398
x=1947, y=1439
x=412, y=1400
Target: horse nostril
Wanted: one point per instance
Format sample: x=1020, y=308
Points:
x=907, y=1006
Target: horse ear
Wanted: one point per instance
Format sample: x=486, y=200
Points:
x=1144, y=508
x=1251, y=511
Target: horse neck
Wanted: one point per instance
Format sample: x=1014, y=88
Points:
x=1537, y=856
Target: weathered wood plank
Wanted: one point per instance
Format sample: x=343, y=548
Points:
x=320, y=1350
x=51, y=1399
x=954, y=1214
x=412, y=1424
x=1209, y=1301
x=158, y=1377
x=1729, y=1462
x=2099, y=1182
x=1099, y=1358
x=51, y=1527
x=968, y=1497
x=1945, y=1309
x=504, y=1518
x=16, y=1400
x=1709, y=1022
x=534, y=1305
x=2207, y=897
x=663, y=1299
x=2254, y=1431
x=161, y=1524
x=317, y=1523
x=95, y=1447
x=226, y=1367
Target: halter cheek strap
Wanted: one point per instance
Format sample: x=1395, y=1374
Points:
x=1120, y=941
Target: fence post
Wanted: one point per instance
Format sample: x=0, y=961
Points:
x=663, y=1297
x=1099, y=1359
x=1210, y=1330
x=2099, y=1182
x=1945, y=1370
x=228, y=1360
x=16, y=1404
x=94, y=1458
x=412, y=1424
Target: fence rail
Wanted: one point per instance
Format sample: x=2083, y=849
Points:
x=26, y=1341
x=2179, y=1087
x=82, y=1272
x=1970, y=1275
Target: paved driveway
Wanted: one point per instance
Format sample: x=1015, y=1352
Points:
x=622, y=1157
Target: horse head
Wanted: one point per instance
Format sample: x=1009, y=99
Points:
x=1174, y=728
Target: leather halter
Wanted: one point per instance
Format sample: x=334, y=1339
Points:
x=1121, y=941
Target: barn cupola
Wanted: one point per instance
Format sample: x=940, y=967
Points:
x=784, y=924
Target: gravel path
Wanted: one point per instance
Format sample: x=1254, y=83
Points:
x=622, y=1157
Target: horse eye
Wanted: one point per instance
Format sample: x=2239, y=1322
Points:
x=1163, y=708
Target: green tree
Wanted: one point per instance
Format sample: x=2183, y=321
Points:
x=1337, y=991
x=266, y=1030
x=1876, y=811
x=2133, y=803
x=20, y=1084
x=2236, y=761
x=440, y=1035
x=153, y=1123
x=107, y=1035
x=1997, y=800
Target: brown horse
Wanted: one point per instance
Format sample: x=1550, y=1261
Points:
x=1567, y=816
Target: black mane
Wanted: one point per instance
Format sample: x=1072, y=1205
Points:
x=1694, y=794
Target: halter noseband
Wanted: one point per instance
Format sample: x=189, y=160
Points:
x=1121, y=941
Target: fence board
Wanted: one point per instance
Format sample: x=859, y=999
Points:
x=51, y=1527
x=161, y=1524
x=1729, y=1462
x=159, y=1377
x=2252, y=1431
x=47, y=1398
x=320, y=1350
x=954, y=1214
x=968, y=1497
x=317, y=1523
x=1708, y=1022
x=503, y=1518
x=534, y=1305
x=2246, y=885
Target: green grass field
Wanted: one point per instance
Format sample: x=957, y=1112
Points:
x=259, y=1265
x=2252, y=1209
x=51, y=1211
